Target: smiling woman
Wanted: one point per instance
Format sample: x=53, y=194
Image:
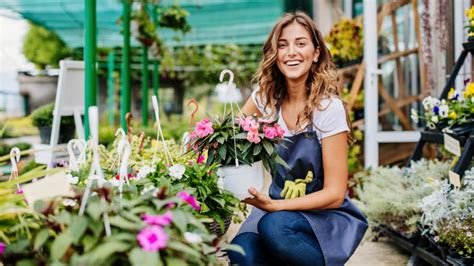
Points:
x=307, y=218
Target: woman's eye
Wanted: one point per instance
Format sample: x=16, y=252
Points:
x=281, y=45
x=301, y=44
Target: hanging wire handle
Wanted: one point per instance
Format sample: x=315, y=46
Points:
x=229, y=87
x=73, y=165
x=168, y=156
x=187, y=144
x=15, y=159
x=119, y=131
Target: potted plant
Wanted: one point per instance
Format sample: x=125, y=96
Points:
x=242, y=147
x=42, y=118
x=345, y=41
x=454, y=113
x=470, y=16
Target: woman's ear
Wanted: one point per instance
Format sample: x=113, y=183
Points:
x=316, y=55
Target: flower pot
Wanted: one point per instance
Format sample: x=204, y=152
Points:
x=66, y=133
x=461, y=261
x=216, y=229
x=239, y=179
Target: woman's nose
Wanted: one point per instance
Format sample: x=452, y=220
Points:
x=291, y=49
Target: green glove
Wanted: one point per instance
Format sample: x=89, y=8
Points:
x=297, y=188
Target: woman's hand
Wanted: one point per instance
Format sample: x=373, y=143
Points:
x=261, y=201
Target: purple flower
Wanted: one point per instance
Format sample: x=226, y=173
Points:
x=164, y=219
x=436, y=110
x=189, y=199
x=152, y=238
x=2, y=247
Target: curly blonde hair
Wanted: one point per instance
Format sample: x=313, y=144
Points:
x=321, y=83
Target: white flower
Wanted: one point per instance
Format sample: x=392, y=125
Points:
x=144, y=171
x=434, y=119
x=72, y=179
x=414, y=116
x=150, y=189
x=430, y=102
x=192, y=238
x=431, y=125
x=468, y=234
x=177, y=171
x=444, y=110
x=69, y=202
x=220, y=183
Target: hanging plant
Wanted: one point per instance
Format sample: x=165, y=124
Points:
x=175, y=18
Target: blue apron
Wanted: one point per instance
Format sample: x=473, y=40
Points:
x=338, y=231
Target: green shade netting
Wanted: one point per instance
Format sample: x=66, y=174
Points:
x=212, y=21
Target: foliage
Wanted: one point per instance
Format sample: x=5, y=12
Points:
x=65, y=236
x=197, y=65
x=174, y=17
x=43, y=47
x=391, y=196
x=5, y=148
x=17, y=127
x=253, y=138
x=43, y=116
x=470, y=16
x=345, y=41
x=354, y=164
x=447, y=214
x=458, y=109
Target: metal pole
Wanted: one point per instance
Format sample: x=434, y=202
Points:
x=111, y=87
x=145, y=86
x=156, y=63
x=371, y=146
x=125, y=93
x=90, y=61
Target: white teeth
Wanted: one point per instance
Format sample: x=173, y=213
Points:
x=292, y=63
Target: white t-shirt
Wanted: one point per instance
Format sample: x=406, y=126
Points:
x=330, y=121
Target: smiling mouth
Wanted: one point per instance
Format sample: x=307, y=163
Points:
x=292, y=63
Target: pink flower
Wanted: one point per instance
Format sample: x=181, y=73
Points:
x=189, y=199
x=245, y=122
x=3, y=246
x=170, y=205
x=164, y=219
x=203, y=128
x=265, y=121
x=152, y=238
x=280, y=131
x=270, y=132
x=201, y=159
x=253, y=136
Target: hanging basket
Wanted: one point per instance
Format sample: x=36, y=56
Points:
x=238, y=179
x=216, y=229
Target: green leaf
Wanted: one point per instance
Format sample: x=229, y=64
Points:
x=60, y=245
x=180, y=247
x=221, y=139
x=220, y=201
x=279, y=160
x=95, y=209
x=257, y=149
x=242, y=135
x=27, y=262
x=139, y=257
x=89, y=242
x=104, y=251
x=96, y=227
x=41, y=238
x=78, y=227
x=268, y=147
x=125, y=224
x=222, y=151
x=175, y=261
x=247, y=145
x=180, y=220
x=204, y=207
x=233, y=247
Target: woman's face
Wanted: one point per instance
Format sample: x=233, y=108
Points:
x=296, y=52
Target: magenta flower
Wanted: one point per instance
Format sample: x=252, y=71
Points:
x=270, y=132
x=203, y=128
x=152, y=238
x=3, y=246
x=253, y=136
x=189, y=199
x=201, y=159
x=245, y=122
x=164, y=219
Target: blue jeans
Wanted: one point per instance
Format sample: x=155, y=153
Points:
x=285, y=238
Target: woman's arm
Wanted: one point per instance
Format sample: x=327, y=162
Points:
x=334, y=151
x=250, y=108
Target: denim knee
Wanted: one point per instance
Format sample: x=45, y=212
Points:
x=276, y=229
x=251, y=243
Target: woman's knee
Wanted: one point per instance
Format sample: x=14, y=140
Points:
x=276, y=228
x=251, y=243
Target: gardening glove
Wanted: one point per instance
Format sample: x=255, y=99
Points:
x=297, y=188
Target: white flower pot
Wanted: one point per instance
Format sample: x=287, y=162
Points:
x=239, y=179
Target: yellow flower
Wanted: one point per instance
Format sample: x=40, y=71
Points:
x=451, y=93
x=469, y=90
x=453, y=115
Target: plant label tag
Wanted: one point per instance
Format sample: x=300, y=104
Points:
x=452, y=145
x=46, y=188
x=454, y=179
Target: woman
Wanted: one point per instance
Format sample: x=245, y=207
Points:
x=316, y=225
